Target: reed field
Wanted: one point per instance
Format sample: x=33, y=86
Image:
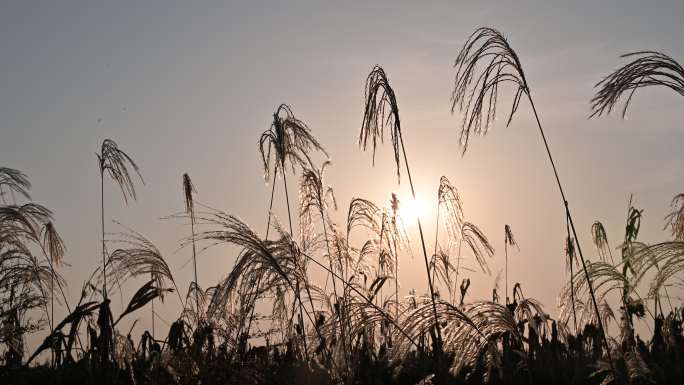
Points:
x=267, y=321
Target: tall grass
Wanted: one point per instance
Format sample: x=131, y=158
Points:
x=290, y=141
x=382, y=110
x=486, y=62
x=350, y=331
x=115, y=163
x=188, y=190
x=509, y=240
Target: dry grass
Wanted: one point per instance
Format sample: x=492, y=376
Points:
x=356, y=330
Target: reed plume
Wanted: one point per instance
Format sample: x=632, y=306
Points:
x=600, y=239
x=478, y=244
x=509, y=240
x=13, y=181
x=460, y=231
x=315, y=197
x=24, y=284
x=485, y=62
x=476, y=93
x=272, y=263
x=447, y=197
x=115, y=163
x=188, y=190
x=21, y=223
x=381, y=110
x=290, y=141
x=675, y=219
x=646, y=68
x=54, y=245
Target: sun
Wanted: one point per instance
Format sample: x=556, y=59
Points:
x=412, y=209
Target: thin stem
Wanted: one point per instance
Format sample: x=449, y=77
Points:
x=366, y=299
x=381, y=266
x=52, y=296
x=611, y=255
x=396, y=271
x=506, y=252
x=667, y=295
x=572, y=226
x=572, y=274
x=301, y=305
x=287, y=201
x=152, y=314
x=104, y=263
x=306, y=285
x=268, y=227
x=422, y=242
x=434, y=255
x=52, y=304
x=61, y=290
x=458, y=263
x=194, y=260
x=327, y=246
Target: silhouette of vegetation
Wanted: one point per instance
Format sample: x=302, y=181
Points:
x=354, y=327
x=488, y=51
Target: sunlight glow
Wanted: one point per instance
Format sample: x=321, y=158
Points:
x=412, y=209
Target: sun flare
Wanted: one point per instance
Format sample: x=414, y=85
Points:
x=412, y=209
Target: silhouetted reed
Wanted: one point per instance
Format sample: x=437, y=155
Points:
x=354, y=332
x=485, y=62
x=115, y=163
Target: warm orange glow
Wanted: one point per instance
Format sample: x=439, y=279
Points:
x=412, y=209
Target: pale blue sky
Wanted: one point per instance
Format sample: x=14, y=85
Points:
x=189, y=86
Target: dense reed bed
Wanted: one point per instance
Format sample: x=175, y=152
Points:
x=353, y=327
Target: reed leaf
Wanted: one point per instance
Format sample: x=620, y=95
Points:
x=142, y=297
x=675, y=219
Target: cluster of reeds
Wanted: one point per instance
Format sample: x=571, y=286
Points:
x=353, y=327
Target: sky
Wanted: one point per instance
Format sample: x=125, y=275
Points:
x=189, y=87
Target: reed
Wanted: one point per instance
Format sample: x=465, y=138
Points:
x=486, y=62
x=381, y=110
x=115, y=163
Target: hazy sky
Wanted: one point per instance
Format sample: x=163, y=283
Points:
x=189, y=87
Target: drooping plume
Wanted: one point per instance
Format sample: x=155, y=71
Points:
x=13, y=181
x=485, y=62
x=647, y=68
x=381, y=111
x=288, y=140
x=115, y=162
